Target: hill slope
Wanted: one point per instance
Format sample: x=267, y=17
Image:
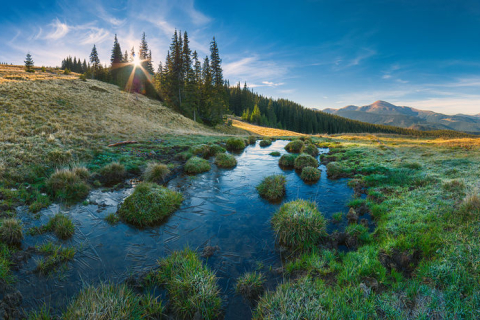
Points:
x=382, y=112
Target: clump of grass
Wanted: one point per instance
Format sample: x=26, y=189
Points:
x=206, y=150
x=470, y=206
x=250, y=285
x=411, y=165
x=149, y=204
x=61, y=225
x=295, y=146
x=108, y=301
x=287, y=160
x=191, y=285
x=252, y=139
x=360, y=232
x=197, y=165
x=225, y=160
x=56, y=256
x=275, y=154
x=41, y=202
x=11, y=231
x=216, y=149
x=235, y=144
x=454, y=186
x=112, y=173
x=68, y=185
x=299, y=224
x=272, y=187
x=337, y=217
x=112, y=219
x=42, y=314
x=336, y=170
x=155, y=172
x=265, y=143
x=59, y=157
x=305, y=160
x=310, y=174
x=311, y=149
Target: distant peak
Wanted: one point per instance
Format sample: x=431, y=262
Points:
x=381, y=103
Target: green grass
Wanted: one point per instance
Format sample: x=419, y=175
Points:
x=275, y=154
x=311, y=149
x=68, y=185
x=235, y=144
x=155, y=172
x=191, y=286
x=108, y=301
x=272, y=187
x=252, y=139
x=225, y=160
x=56, y=256
x=250, y=285
x=149, y=204
x=287, y=160
x=337, y=217
x=11, y=231
x=112, y=219
x=299, y=224
x=42, y=314
x=305, y=160
x=196, y=165
x=310, y=174
x=206, y=150
x=295, y=146
x=265, y=143
x=61, y=225
x=112, y=174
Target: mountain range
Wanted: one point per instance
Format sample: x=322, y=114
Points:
x=382, y=112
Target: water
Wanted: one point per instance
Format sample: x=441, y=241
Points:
x=221, y=208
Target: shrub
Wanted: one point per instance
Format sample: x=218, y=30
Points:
x=287, y=160
x=250, y=285
x=197, y=165
x=61, y=225
x=149, y=204
x=108, y=301
x=275, y=154
x=272, y=187
x=44, y=69
x=305, y=160
x=265, y=143
x=311, y=150
x=299, y=224
x=225, y=160
x=11, y=231
x=155, y=172
x=66, y=71
x=310, y=174
x=252, y=139
x=192, y=287
x=235, y=144
x=112, y=173
x=295, y=146
x=67, y=185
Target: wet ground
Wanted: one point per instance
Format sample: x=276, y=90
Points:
x=221, y=208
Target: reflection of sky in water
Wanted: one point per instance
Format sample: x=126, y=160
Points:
x=221, y=208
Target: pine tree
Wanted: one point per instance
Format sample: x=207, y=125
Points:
x=125, y=57
x=95, y=61
x=116, y=56
x=29, y=63
x=145, y=55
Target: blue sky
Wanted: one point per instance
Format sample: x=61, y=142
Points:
x=324, y=53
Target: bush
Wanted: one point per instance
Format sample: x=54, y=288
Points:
x=295, y=146
x=225, y=160
x=66, y=71
x=272, y=187
x=275, y=154
x=287, y=160
x=235, y=144
x=68, y=185
x=311, y=150
x=11, y=231
x=197, y=165
x=109, y=301
x=61, y=225
x=299, y=224
x=112, y=174
x=192, y=287
x=265, y=143
x=305, y=160
x=149, y=204
x=250, y=285
x=252, y=139
x=155, y=172
x=310, y=174
x=44, y=69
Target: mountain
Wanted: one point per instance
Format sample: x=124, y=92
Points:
x=382, y=112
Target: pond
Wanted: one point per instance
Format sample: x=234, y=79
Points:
x=221, y=208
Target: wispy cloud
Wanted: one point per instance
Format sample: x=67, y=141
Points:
x=59, y=31
x=253, y=69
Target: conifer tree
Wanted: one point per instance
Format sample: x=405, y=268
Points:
x=116, y=56
x=95, y=61
x=29, y=63
x=145, y=55
x=125, y=57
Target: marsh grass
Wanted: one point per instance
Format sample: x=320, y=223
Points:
x=299, y=224
x=275, y=154
x=305, y=160
x=61, y=225
x=206, y=150
x=112, y=219
x=295, y=146
x=287, y=160
x=265, y=143
x=55, y=257
x=68, y=185
x=149, y=204
x=310, y=174
x=197, y=165
x=272, y=187
x=156, y=172
x=11, y=231
x=252, y=139
x=112, y=173
x=250, y=285
x=311, y=149
x=225, y=160
x=191, y=285
x=235, y=144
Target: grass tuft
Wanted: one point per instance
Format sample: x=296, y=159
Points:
x=68, y=185
x=272, y=187
x=310, y=174
x=155, y=172
x=113, y=173
x=252, y=139
x=11, y=231
x=61, y=225
x=235, y=144
x=265, y=143
x=311, y=149
x=305, y=160
x=250, y=285
x=225, y=160
x=275, y=154
x=295, y=146
x=287, y=160
x=197, y=165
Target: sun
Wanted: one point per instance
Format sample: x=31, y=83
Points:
x=136, y=61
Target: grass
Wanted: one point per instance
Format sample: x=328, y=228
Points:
x=272, y=187
x=295, y=146
x=149, y=204
x=225, y=160
x=311, y=149
x=191, y=286
x=68, y=185
x=112, y=219
x=264, y=131
x=55, y=257
x=112, y=174
x=196, y=165
x=206, y=150
x=299, y=224
x=61, y=225
x=235, y=144
x=250, y=285
x=310, y=174
x=305, y=160
x=265, y=143
x=337, y=217
x=108, y=301
x=275, y=154
x=11, y=231
x=155, y=172
x=287, y=160
x=252, y=139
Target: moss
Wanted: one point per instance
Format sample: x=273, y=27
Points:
x=287, y=160
x=272, y=187
x=299, y=224
x=235, y=144
x=11, y=231
x=311, y=149
x=275, y=154
x=61, y=225
x=265, y=143
x=149, y=204
x=191, y=286
x=225, y=160
x=310, y=174
x=155, y=172
x=295, y=146
x=108, y=301
x=112, y=174
x=305, y=160
x=250, y=285
x=68, y=186
x=197, y=165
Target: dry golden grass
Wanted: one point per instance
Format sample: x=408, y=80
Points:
x=264, y=131
x=18, y=73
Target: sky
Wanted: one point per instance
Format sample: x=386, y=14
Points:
x=319, y=53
